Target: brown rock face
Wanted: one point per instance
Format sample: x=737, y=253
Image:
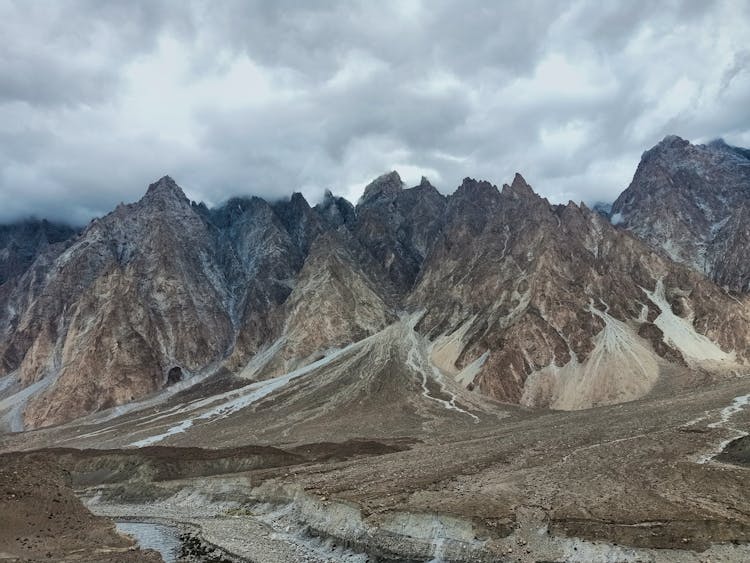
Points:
x=334, y=303
x=135, y=295
x=691, y=202
x=552, y=300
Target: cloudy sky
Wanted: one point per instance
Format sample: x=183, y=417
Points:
x=98, y=99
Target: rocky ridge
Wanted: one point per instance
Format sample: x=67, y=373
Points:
x=691, y=202
x=559, y=308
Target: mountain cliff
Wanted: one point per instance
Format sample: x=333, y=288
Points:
x=137, y=294
x=554, y=307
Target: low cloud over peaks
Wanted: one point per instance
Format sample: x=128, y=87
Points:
x=97, y=100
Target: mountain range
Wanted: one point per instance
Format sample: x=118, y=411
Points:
x=481, y=376
x=514, y=299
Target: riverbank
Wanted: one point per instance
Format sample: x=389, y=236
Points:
x=41, y=519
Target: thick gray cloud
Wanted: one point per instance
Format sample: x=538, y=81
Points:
x=97, y=99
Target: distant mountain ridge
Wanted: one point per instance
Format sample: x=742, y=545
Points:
x=22, y=241
x=519, y=300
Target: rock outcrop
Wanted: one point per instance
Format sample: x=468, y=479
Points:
x=691, y=202
x=398, y=226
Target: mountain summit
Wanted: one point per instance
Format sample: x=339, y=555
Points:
x=691, y=202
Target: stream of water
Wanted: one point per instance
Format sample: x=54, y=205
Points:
x=161, y=538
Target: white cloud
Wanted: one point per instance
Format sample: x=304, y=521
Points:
x=99, y=99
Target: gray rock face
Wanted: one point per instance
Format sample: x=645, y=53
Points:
x=336, y=211
x=690, y=201
x=22, y=242
x=521, y=300
x=398, y=226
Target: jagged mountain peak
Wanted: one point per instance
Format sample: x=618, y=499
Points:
x=604, y=208
x=675, y=151
x=426, y=189
x=672, y=141
x=301, y=222
x=335, y=210
x=292, y=211
x=519, y=188
x=684, y=200
x=22, y=241
x=718, y=143
x=520, y=183
x=163, y=195
x=507, y=257
x=237, y=207
x=476, y=188
x=165, y=186
x=298, y=201
x=386, y=184
x=669, y=149
x=722, y=146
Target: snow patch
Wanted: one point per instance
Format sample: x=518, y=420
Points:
x=151, y=440
x=728, y=412
x=6, y=381
x=470, y=372
x=617, y=218
x=446, y=348
x=14, y=404
x=261, y=359
x=717, y=226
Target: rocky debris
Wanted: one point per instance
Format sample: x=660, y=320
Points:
x=614, y=483
x=736, y=452
x=691, y=202
x=195, y=549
